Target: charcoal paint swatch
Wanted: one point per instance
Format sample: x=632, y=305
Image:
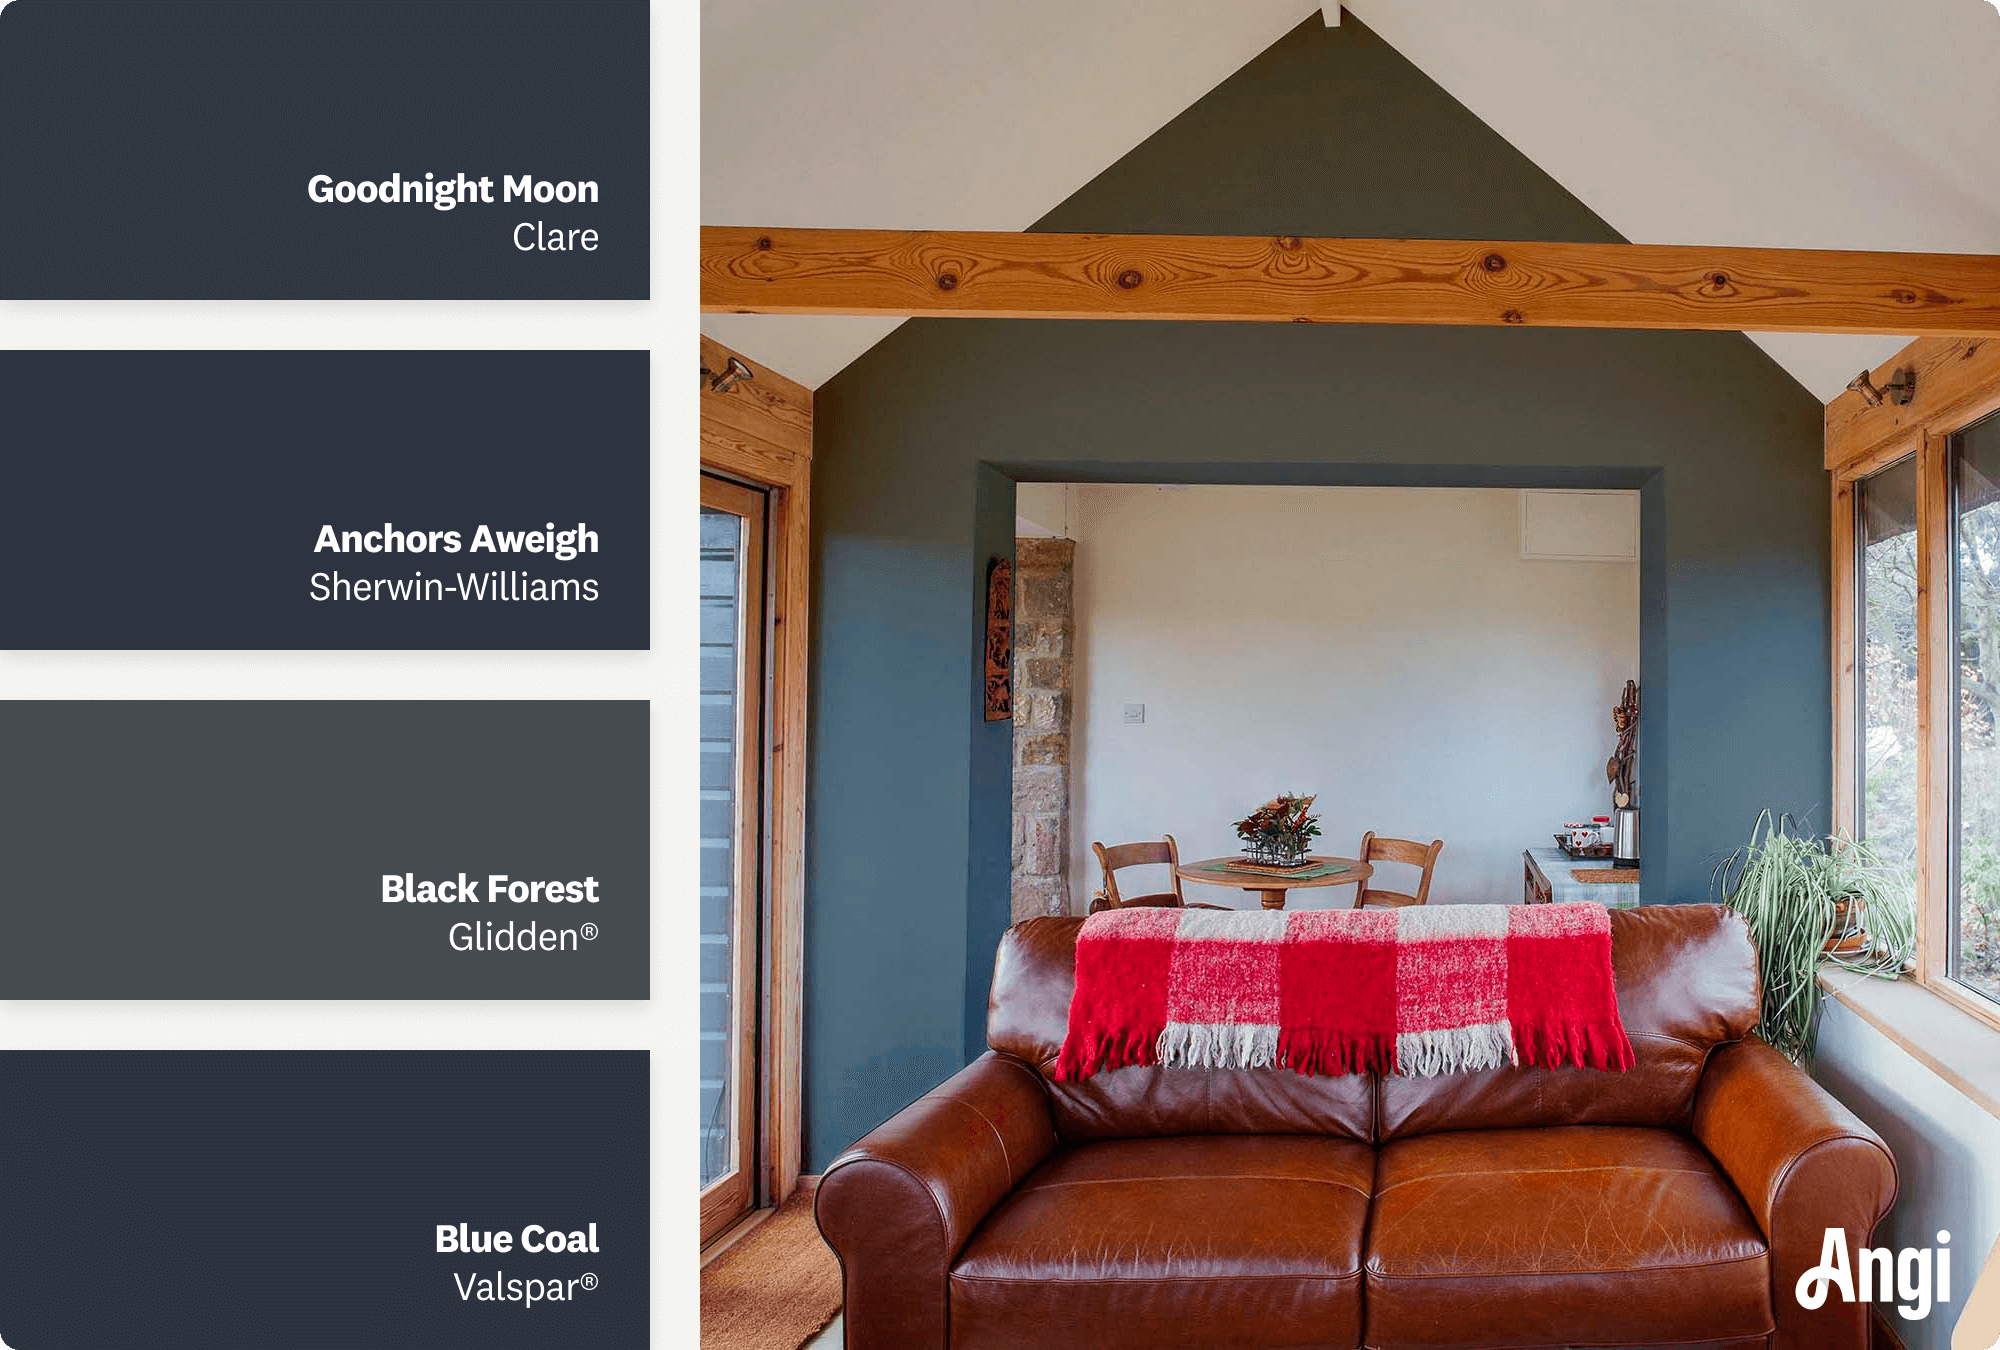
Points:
x=243, y=850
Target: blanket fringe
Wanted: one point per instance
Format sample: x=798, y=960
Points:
x=1415, y=1054
x=1484, y=1045
x=1190, y=1045
x=1218, y=1045
x=1101, y=1051
x=1322, y=1053
x=1576, y=1044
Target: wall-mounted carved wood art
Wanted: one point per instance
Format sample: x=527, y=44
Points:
x=1000, y=641
x=1625, y=721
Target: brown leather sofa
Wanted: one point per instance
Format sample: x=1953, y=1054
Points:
x=1676, y=1204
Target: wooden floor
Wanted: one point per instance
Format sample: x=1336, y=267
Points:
x=833, y=1338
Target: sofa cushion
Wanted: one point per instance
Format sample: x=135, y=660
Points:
x=1027, y=1016
x=1184, y=1242
x=1577, y=1235
x=1687, y=982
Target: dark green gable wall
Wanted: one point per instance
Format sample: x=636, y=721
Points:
x=918, y=445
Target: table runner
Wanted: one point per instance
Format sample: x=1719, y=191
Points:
x=1425, y=989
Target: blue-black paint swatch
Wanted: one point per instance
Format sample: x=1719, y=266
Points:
x=325, y=500
x=245, y=1200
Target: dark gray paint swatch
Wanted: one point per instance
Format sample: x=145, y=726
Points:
x=169, y=151
x=237, y=849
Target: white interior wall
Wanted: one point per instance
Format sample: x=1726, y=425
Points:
x=1947, y=1150
x=1042, y=510
x=1386, y=648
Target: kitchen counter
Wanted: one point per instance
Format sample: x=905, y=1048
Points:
x=1546, y=879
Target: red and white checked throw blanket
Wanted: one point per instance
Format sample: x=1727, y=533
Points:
x=1426, y=989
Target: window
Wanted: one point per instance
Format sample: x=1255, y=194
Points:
x=1973, y=928
x=1885, y=532
x=1916, y=576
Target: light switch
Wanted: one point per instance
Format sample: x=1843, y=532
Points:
x=1135, y=712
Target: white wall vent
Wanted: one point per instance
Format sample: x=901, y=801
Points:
x=1579, y=526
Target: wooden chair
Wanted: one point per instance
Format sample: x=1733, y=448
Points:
x=1421, y=856
x=1140, y=855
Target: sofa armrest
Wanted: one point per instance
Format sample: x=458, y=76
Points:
x=898, y=1206
x=1803, y=1163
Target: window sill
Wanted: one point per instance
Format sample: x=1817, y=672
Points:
x=1954, y=1044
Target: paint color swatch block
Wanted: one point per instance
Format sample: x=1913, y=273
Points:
x=325, y=850
x=248, y=1200
x=325, y=500
x=237, y=149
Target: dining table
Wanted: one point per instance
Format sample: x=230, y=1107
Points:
x=1270, y=886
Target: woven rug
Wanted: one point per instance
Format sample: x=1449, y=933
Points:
x=775, y=1289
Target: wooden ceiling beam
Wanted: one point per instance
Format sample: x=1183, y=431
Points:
x=1290, y=279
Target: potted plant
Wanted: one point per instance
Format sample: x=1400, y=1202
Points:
x=1280, y=832
x=1811, y=900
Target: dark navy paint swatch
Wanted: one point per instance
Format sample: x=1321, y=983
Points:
x=156, y=150
x=250, y=1199
x=238, y=850
x=178, y=499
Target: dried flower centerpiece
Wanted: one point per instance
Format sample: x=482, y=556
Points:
x=1280, y=832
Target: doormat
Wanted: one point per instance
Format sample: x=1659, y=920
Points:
x=775, y=1289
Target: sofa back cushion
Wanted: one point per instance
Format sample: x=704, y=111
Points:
x=1028, y=1014
x=1687, y=982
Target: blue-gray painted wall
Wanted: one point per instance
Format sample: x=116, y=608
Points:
x=918, y=445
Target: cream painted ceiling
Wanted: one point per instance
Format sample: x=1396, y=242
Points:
x=1790, y=123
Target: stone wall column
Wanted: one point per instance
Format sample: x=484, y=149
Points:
x=1044, y=651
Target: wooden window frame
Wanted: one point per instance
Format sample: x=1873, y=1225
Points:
x=1958, y=385
x=759, y=433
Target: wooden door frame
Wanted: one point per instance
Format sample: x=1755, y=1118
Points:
x=759, y=432
x=727, y=1200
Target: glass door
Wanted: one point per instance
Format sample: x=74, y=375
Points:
x=732, y=738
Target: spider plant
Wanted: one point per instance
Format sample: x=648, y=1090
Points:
x=1790, y=888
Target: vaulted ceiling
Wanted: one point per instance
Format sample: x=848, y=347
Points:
x=1790, y=123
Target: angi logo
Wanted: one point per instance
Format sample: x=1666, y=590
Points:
x=1878, y=1275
